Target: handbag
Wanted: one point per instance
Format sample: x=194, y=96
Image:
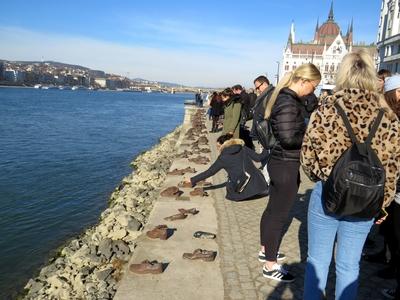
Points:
x=242, y=181
x=266, y=174
x=265, y=135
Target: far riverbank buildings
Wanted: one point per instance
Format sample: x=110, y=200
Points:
x=326, y=50
x=389, y=36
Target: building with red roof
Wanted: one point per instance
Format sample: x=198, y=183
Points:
x=326, y=50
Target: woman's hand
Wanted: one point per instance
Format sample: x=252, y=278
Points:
x=380, y=221
x=382, y=216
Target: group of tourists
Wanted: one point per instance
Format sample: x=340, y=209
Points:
x=348, y=143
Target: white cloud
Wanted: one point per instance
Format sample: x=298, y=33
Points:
x=220, y=60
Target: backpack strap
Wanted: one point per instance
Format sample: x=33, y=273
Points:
x=347, y=124
x=374, y=126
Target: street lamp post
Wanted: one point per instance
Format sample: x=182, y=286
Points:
x=277, y=73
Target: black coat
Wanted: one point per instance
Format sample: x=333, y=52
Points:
x=288, y=125
x=231, y=160
x=217, y=107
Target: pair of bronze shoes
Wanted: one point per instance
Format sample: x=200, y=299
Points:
x=199, y=192
x=182, y=171
x=158, y=232
x=200, y=160
x=147, y=267
x=201, y=254
x=171, y=191
x=183, y=213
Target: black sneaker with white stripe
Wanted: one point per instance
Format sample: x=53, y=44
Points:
x=262, y=258
x=278, y=273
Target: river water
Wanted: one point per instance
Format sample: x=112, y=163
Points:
x=62, y=153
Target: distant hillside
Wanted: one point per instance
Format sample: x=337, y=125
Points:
x=54, y=63
x=92, y=72
x=167, y=84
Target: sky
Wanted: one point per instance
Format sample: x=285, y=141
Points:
x=195, y=43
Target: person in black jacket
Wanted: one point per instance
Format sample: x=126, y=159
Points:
x=286, y=113
x=235, y=158
x=264, y=90
x=245, y=114
x=217, y=109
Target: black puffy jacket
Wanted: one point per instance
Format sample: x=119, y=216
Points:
x=234, y=158
x=288, y=125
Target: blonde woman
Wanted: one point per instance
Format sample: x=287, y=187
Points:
x=325, y=141
x=287, y=116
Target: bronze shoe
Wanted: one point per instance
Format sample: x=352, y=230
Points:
x=198, y=192
x=185, y=184
x=203, y=140
x=176, y=172
x=171, y=191
x=179, y=216
x=203, y=183
x=158, y=232
x=204, y=255
x=192, y=211
x=147, y=267
x=205, y=150
x=189, y=170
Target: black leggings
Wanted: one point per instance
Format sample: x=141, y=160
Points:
x=215, y=120
x=285, y=180
x=396, y=224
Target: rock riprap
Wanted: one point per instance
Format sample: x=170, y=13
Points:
x=89, y=267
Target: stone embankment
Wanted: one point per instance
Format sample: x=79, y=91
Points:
x=89, y=266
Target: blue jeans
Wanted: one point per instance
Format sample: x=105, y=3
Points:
x=322, y=228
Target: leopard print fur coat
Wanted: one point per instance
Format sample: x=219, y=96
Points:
x=326, y=137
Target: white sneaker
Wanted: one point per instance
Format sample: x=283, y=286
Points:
x=278, y=273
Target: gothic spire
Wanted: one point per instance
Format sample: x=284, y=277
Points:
x=316, y=27
x=351, y=26
x=330, y=17
x=291, y=35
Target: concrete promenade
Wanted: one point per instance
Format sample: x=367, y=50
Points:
x=236, y=273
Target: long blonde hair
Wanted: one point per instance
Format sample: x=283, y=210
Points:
x=306, y=72
x=357, y=70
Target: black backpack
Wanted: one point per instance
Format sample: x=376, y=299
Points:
x=355, y=186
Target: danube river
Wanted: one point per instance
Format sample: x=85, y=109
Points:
x=62, y=153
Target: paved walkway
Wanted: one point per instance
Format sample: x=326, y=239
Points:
x=236, y=273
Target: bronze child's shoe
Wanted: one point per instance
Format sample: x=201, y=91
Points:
x=204, y=255
x=158, y=232
x=147, y=267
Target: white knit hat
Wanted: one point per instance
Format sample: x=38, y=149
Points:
x=392, y=83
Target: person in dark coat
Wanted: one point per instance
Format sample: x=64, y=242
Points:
x=264, y=90
x=232, y=108
x=245, y=114
x=234, y=158
x=286, y=113
x=217, y=109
